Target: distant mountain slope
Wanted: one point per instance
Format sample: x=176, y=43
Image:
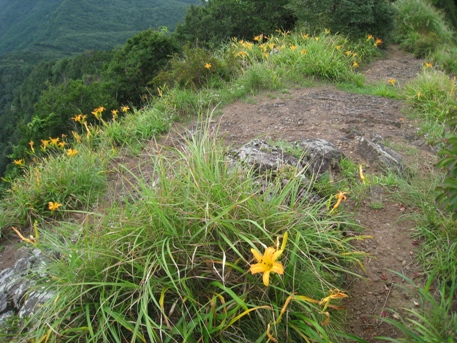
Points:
x=71, y=26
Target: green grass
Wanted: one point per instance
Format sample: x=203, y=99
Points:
x=75, y=182
x=421, y=28
x=172, y=264
x=434, y=320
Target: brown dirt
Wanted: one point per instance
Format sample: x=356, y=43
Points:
x=340, y=117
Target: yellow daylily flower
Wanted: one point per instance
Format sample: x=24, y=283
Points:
x=53, y=206
x=392, y=82
x=355, y=64
x=96, y=115
x=32, y=143
x=44, y=143
x=370, y=37
x=19, y=162
x=77, y=136
x=266, y=263
x=54, y=141
x=208, y=66
x=340, y=196
x=258, y=38
x=72, y=152
x=378, y=42
x=428, y=65
x=362, y=177
x=125, y=108
x=334, y=294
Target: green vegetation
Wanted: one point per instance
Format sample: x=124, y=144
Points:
x=421, y=29
x=356, y=18
x=69, y=27
x=176, y=255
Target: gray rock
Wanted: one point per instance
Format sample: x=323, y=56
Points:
x=263, y=156
x=19, y=294
x=380, y=156
x=320, y=155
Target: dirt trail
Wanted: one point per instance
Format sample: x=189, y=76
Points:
x=340, y=117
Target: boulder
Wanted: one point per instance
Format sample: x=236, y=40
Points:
x=263, y=156
x=320, y=156
x=19, y=294
x=380, y=156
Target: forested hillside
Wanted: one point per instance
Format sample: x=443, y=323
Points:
x=67, y=27
x=37, y=38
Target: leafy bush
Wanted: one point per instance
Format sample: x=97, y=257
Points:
x=356, y=18
x=217, y=21
x=193, y=69
x=138, y=62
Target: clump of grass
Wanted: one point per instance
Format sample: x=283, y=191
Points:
x=137, y=126
x=172, y=263
x=421, y=28
x=445, y=58
x=434, y=320
x=75, y=182
x=431, y=95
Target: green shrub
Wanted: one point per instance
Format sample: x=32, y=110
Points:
x=356, y=18
x=193, y=69
x=138, y=62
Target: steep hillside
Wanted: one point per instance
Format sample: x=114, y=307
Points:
x=66, y=26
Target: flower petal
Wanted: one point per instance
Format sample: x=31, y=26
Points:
x=276, y=255
x=278, y=268
x=257, y=268
x=258, y=256
x=269, y=253
x=266, y=278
